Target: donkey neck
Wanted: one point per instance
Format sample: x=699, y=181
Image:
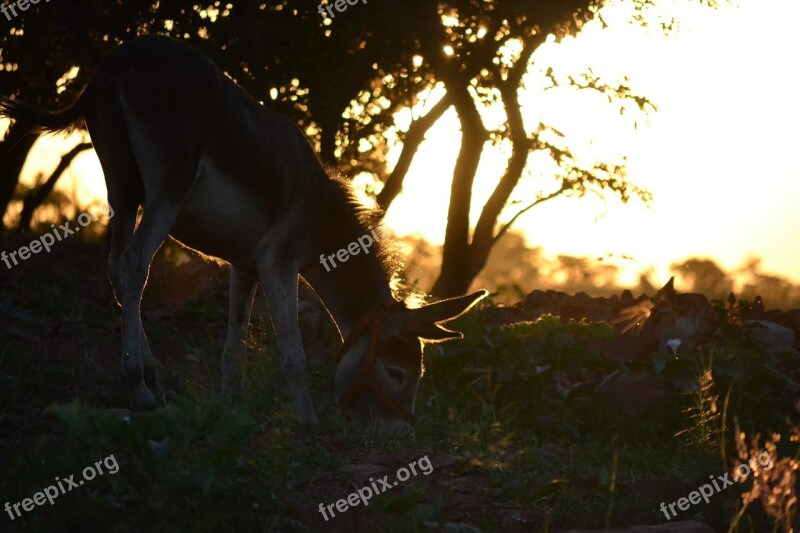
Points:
x=350, y=290
x=353, y=287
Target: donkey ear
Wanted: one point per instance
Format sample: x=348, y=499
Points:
x=430, y=331
x=667, y=293
x=448, y=309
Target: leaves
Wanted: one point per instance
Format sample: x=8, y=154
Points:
x=188, y=449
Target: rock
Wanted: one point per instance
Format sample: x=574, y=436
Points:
x=777, y=339
x=514, y=520
x=791, y=319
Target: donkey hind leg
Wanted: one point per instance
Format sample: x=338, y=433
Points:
x=150, y=370
x=121, y=234
x=281, y=288
x=242, y=292
x=124, y=184
x=134, y=264
x=126, y=205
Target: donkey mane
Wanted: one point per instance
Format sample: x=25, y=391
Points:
x=356, y=217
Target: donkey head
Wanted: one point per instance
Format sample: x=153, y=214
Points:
x=381, y=360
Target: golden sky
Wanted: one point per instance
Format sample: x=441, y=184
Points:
x=720, y=155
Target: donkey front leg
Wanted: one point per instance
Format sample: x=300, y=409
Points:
x=281, y=288
x=242, y=292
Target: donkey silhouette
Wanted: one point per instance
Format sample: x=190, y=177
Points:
x=229, y=178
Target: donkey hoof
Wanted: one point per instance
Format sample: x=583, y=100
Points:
x=231, y=392
x=231, y=397
x=308, y=422
x=143, y=400
x=161, y=398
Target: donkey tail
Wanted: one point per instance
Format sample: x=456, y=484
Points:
x=42, y=121
x=67, y=119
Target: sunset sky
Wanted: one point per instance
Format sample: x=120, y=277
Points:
x=720, y=155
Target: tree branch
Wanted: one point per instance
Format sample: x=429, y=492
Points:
x=484, y=238
x=413, y=139
x=34, y=200
x=538, y=201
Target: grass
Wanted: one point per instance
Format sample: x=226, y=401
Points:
x=510, y=416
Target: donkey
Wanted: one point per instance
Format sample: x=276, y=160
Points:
x=225, y=176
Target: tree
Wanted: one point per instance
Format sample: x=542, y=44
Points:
x=469, y=47
x=705, y=276
x=280, y=52
x=343, y=80
x=466, y=46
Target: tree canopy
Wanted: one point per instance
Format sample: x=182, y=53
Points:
x=343, y=79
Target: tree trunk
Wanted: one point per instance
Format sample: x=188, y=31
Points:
x=14, y=150
x=455, y=279
x=484, y=236
x=456, y=274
